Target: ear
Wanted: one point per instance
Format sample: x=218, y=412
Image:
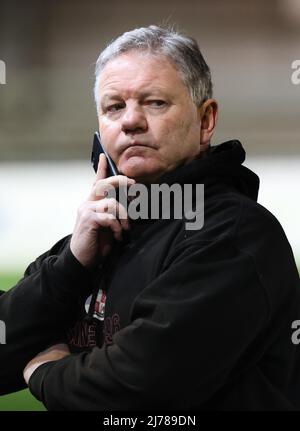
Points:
x=209, y=115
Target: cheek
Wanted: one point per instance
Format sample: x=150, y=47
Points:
x=108, y=135
x=176, y=133
x=166, y=129
x=104, y=128
x=188, y=133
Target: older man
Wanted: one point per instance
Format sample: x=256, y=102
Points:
x=160, y=316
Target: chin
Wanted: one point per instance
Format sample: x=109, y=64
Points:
x=140, y=170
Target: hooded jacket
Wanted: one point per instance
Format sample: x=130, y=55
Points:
x=173, y=318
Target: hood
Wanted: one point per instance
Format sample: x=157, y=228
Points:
x=222, y=161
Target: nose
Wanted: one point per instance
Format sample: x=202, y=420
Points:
x=133, y=120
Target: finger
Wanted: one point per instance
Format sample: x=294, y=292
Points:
x=122, y=215
x=102, y=168
x=103, y=187
x=120, y=180
x=112, y=206
x=110, y=221
x=101, y=174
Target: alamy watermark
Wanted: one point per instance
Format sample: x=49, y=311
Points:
x=295, y=77
x=296, y=334
x=157, y=201
x=2, y=332
x=2, y=72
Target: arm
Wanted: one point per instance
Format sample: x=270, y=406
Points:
x=38, y=309
x=44, y=303
x=188, y=330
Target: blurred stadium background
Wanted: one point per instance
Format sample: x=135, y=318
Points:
x=47, y=115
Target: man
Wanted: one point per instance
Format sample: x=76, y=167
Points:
x=178, y=319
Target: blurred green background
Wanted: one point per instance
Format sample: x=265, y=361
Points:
x=22, y=400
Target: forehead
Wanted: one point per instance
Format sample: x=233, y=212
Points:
x=137, y=72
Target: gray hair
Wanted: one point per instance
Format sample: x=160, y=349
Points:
x=181, y=50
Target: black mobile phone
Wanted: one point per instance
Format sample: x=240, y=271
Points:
x=99, y=149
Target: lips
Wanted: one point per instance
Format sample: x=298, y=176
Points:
x=135, y=144
x=137, y=149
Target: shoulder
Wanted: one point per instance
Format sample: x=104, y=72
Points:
x=228, y=213
x=237, y=224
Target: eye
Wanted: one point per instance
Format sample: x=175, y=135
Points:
x=116, y=107
x=156, y=103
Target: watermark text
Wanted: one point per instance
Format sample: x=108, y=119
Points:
x=158, y=201
x=2, y=72
x=295, y=78
x=2, y=332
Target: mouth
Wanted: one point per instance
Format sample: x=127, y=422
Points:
x=136, y=149
x=136, y=145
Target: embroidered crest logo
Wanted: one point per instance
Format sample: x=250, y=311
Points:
x=99, y=308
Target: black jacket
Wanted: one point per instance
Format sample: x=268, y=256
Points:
x=193, y=319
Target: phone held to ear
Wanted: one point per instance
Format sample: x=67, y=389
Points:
x=112, y=169
x=99, y=149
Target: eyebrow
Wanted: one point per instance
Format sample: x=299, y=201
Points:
x=142, y=94
x=108, y=96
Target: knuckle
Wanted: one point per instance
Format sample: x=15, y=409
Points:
x=111, y=217
x=84, y=206
x=103, y=188
x=106, y=217
x=85, y=216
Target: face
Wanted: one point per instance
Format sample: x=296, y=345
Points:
x=148, y=122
